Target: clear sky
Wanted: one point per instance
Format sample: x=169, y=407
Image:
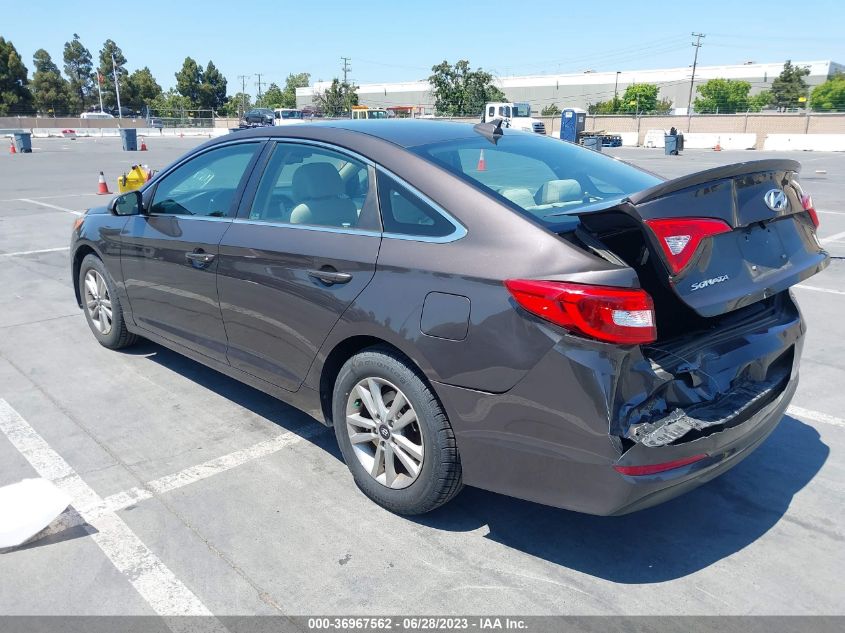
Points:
x=400, y=40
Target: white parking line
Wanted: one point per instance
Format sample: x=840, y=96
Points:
x=210, y=468
x=122, y=500
x=50, y=206
x=818, y=289
x=164, y=592
x=832, y=238
x=43, y=250
x=815, y=416
x=830, y=212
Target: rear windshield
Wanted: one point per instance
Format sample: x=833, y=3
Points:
x=542, y=177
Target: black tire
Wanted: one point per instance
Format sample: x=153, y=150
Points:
x=118, y=336
x=440, y=477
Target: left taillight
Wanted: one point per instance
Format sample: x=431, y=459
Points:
x=807, y=203
x=605, y=313
x=680, y=237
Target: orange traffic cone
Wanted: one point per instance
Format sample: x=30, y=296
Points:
x=718, y=147
x=482, y=163
x=143, y=145
x=103, y=188
x=12, y=149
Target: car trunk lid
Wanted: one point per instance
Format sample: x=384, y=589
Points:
x=767, y=240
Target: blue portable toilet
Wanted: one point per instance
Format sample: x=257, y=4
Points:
x=572, y=122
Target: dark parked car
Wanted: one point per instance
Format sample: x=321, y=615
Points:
x=259, y=116
x=467, y=305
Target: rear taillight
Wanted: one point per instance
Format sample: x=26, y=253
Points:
x=807, y=203
x=680, y=237
x=613, y=315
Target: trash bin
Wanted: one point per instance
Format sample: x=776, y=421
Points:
x=129, y=138
x=23, y=142
x=680, y=142
x=670, y=144
x=592, y=142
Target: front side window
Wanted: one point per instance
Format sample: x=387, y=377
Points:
x=404, y=213
x=304, y=184
x=542, y=177
x=205, y=185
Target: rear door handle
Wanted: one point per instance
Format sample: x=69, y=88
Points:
x=330, y=276
x=199, y=258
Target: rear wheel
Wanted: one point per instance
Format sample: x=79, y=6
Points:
x=393, y=434
x=102, y=306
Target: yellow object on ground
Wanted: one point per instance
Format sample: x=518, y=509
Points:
x=132, y=180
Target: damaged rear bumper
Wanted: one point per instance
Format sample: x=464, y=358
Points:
x=559, y=437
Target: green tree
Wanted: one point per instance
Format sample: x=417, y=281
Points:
x=830, y=95
x=142, y=89
x=108, y=70
x=459, y=91
x=337, y=99
x=15, y=97
x=550, y=110
x=238, y=104
x=171, y=104
x=611, y=106
x=299, y=80
x=760, y=100
x=790, y=86
x=189, y=81
x=272, y=97
x=213, y=88
x=49, y=88
x=79, y=70
x=639, y=99
x=725, y=96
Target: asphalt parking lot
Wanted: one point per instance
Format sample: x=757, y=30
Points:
x=202, y=495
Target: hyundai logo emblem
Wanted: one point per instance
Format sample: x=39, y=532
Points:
x=775, y=199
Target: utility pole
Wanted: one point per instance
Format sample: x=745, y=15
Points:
x=616, y=89
x=243, y=79
x=697, y=45
x=259, y=84
x=346, y=67
x=345, y=86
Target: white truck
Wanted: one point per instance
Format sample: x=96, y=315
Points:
x=516, y=116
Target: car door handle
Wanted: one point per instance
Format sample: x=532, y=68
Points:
x=199, y=258
x=330, y=276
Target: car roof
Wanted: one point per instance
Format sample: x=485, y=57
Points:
x=402, y=132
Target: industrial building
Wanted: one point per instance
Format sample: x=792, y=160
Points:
x=585, y=88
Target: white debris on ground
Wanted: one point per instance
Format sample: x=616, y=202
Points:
x=26, y=508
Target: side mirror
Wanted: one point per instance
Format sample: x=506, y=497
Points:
x=129, y=203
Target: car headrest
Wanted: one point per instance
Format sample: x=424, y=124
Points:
x=316, y=180
x=559, y=191
x=519, y=196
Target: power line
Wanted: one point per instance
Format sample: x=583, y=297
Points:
x=697, y=45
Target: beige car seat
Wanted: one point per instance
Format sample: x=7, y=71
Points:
x=318, y=192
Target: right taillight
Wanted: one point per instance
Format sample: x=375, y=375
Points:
x=680, y=237
x=807, y=203
x=605, y=313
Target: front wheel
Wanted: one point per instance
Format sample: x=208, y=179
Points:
x=393, y=434
x=102, y=306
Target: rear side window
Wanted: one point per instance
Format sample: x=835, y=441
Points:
x=205, y=185
x=404, y=213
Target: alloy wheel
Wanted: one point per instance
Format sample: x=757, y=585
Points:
x=98, y=301
x=385, y=432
